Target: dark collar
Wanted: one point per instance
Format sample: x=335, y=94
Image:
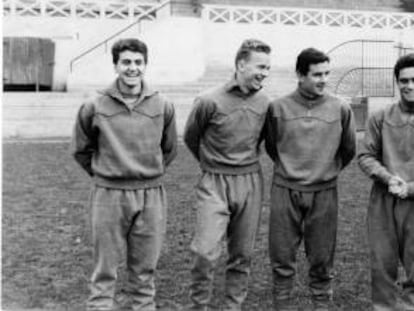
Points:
x=308, y=101
x=232, y=86
x=114, y=92
x=406, y=107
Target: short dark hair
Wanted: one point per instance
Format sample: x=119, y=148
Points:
x=307, y=57
x=251, y=45
x=133, y=45
x=403, y=62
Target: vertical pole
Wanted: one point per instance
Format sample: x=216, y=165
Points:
x=13, y=8
x=10, y=54
x=362, y=68
x=101, y=10
x=400, y=53
x=130, y=11
x=73, y=9
x=42, y=8
x=37, y=77
x=39, y=62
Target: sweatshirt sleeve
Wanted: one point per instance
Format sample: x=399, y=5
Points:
x=370, y=157
x=83, y=143
x=270, y=132
x=196, y=124
x=169, y=136
x=411, y=190
x=347, y=148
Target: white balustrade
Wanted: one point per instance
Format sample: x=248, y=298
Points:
x=307, y=17
x=58, y=8
x=27, y=7
x=95, y=9
x=121, y=9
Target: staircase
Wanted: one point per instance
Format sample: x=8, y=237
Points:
x=41, y=115
x=279, y=82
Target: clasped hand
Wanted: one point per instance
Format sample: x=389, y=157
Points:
x=398, y=187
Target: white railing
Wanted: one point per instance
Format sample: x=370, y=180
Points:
x=109, y=9
x=104, y=43
x=307, y=17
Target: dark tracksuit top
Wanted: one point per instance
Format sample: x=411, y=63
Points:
x=310, y=141
x=388, y=148
x=223, y=132
x=125, y=148
x=121, y=147
x=224, y=129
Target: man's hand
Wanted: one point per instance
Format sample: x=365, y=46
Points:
x=398, y=187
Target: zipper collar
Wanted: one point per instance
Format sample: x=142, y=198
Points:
x=114, y=92
x=308, y=101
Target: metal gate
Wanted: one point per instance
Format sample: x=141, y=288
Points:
x=364, y=68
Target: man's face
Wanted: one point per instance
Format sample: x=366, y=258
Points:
x=130, y=68
x=405, y=83
x=314, y=82
x=254, y=70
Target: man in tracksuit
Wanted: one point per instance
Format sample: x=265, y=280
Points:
x=387, y=156
x=223, y=132
x=310, y=136
x=124, y=139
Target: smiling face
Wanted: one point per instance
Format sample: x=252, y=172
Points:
x=130, y=68
x=253, y=70
x=405, y=84
x=314, y=82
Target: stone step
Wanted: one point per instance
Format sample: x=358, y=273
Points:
x=52, y=114
x=213, y=75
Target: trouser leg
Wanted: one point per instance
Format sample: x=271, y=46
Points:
x=108, y=238
x=145, y=238
x=212, y=220
x=285, y=234
x=320, y=228
x=384, y=249
x=245, y=195
x=404, y=212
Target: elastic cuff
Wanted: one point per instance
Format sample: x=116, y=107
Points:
x=410, y=192
x=384, y=177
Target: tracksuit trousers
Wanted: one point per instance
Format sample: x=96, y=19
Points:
x=297, y=215
x=127, y=223
x=391, y=240
x=227, y=206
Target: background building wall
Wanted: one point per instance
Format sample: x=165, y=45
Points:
x=183, y=44
x=191, y=47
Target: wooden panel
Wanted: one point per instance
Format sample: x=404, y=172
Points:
x=28, y=61
x=184, y=8
x=7, y=68
x=48, y=61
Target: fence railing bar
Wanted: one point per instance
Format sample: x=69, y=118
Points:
x=104, y=42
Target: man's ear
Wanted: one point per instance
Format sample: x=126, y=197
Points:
x=241, y=64
x=299, y=76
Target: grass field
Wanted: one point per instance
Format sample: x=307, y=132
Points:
x=46, y=255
